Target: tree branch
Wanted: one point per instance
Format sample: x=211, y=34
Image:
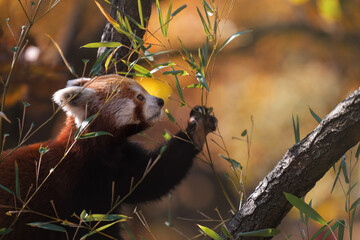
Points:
x=300, y=168
x=130, y=7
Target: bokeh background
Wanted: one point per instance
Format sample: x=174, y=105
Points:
x=300, y=54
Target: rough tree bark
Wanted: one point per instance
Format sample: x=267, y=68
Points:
x=300, y=168
x=130, y=7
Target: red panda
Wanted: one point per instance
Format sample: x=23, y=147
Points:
x=89, y=173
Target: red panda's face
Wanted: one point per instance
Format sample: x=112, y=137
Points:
x=120, y=101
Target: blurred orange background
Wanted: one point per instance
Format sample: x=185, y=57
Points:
x=299, y=54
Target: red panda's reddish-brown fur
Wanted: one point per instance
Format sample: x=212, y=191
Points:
x=85, y=177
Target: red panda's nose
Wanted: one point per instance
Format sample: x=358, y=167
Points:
x=160, y=102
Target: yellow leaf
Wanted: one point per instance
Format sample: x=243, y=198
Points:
x=156, y=87
x=330, y=10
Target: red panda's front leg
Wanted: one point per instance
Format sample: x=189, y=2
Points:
x=176, y=160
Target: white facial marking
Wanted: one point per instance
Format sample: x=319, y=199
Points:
x=122, y=111
x=75, y=108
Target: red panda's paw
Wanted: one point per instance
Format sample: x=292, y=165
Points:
x=201, y=123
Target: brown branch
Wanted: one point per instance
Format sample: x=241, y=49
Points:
x=300, y=168
x=130, y=7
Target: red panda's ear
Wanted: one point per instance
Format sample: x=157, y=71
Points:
x=73, y=100
x=80, y=82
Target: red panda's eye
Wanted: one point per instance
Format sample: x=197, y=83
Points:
x=140, y=97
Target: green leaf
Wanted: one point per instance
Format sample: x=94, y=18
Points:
x=269, y=232
x=200, y=77
x=104, y=217
x=4, y=231
x=166, y=135
x=43, y=150
x=333, y=228
x=160, y=18
x=102, y=44
x=210, y=232
x=341, y=229
x=357, y=152
x=170, y=116
x=100, y=229
x=226, y=232
x=207, y=7
x=178, y=10
x=176, y=72
x=336, y=178
x=344, y=168
x=141, y=13
x=318, y=232
x=205, y=26
x=48, y=226
x=94, y=134
x=98, y=64
x=305, y=208
x=6, y=189
x=196, y=85
x=84, y=125
x=163, y=148
x=355, y=204
x=232, y=37
x=17, y=181
x=296, y=128
x=315, y=116
x=26, y=104
x=178, y=87
x=232, y=162
x=244, y=133
x=168, y=16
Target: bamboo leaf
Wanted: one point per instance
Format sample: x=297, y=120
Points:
x=100, y=229
x=355, y=204
x=62, y=56
x=102, y=44
x=315, y=116
x=341, y=229
x=168, y=16
x=17, y=181
x=357, y=152
x=47, y=226
x=269, y=232
x=200, y=77
x=178, y=10
x=210, y=232
x=166, y=135
x=178, y=87
x=344, y=168
x=336, y=179
x=205, y=26
x=226, y=232
x=207, y=7
x=6, y=189
x=98, y=64
x=94, y=134
x=4, y=231
x=170, y=116
x=176, y=72
x=140, y=13
x=305, y=208
x=232, y=37
x=296, y=128
x=104, y=217
x=196, y=85
x=160, y=18
x=109, y=18
x=232, y=162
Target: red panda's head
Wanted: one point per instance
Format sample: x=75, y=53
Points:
x=121, y=102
